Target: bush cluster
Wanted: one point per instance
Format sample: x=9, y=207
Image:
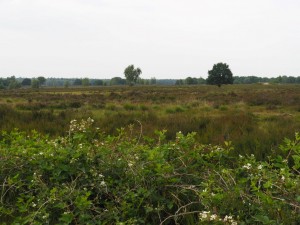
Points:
x=88, y=177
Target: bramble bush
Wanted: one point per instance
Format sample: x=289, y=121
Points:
x=89, y=177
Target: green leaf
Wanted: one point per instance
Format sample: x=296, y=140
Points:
x=264, y=219
x=66, y=218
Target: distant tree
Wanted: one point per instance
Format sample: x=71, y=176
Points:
x=249, y=79
x=26, y=82
x=147, y=82
x=77, y=82
x=41, y=80
x=291, y=80
x=179, y=82
x=220, y=74
x=2, y=84
x=98, y=82
x=132, y=74
x=117, y=81
x=141, y=81
x=13, y=83
x=86, y=82
x=66, y=84
x=201, y=81
x=191, y=81
x=35, y=83
x=153, y=81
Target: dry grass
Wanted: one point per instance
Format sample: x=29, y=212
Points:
x=252, y=116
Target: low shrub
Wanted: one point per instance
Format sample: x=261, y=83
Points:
x=88, y=177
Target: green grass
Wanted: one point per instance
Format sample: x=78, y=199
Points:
x=254, y=117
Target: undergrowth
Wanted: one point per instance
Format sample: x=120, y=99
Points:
x=89, y=177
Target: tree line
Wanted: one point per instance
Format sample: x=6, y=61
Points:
x=220, y=74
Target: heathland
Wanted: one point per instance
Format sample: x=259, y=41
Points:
x=150, y=155
x=256, y=118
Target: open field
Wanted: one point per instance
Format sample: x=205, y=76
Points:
x=255, y=118
x=236, y=169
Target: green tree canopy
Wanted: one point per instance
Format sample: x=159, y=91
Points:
x=191, y=81
x=26, y=82
x=86, y=82
x=13, y=83
x=77, y=82
x=98, y=82
x=220, y=74
x=35, y=83
x=153, y=81
x=41, y=80
x=132, y=74
x=117, y=81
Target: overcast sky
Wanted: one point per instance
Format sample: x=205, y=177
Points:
x=165, y=38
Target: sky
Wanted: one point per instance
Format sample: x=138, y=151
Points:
x=170, y=39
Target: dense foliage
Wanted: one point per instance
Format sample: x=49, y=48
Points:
x=15, y=83
x=132, y=74
x=88, y=177
x=220, y=74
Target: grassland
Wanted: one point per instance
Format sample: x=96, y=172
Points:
x=91, y=171
x=254, y=117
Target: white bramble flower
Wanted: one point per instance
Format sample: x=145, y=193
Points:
x=213, y=217
x=260, y=167
x=228, y=218
x=247, y=166
x=102, y=183
x=203, y=215
x=282, y=178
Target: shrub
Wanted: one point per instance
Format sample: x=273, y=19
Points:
x=87, y=177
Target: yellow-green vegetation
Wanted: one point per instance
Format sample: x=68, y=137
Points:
x=89, y=177
x=254, y=117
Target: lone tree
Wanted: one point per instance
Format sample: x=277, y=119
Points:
x=220, y=74
x=132, y=74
